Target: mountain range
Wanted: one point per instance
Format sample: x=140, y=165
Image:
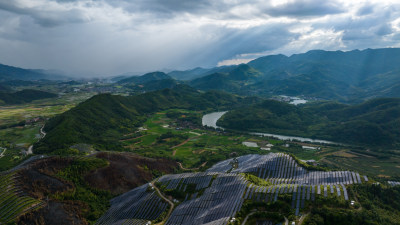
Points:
x=351, y=76
x=15, y=73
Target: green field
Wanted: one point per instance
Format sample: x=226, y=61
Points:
x=195, y=147
x=17, y=138
x=41, y=108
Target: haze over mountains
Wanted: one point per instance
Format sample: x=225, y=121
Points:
x=344, y=76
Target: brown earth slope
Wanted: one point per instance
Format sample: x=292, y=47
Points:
x=127, y=171
x=124, y=172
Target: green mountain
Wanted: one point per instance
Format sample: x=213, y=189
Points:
x=103, y=118
x=15, y=73
x=154, y=85
x=314, y=84
x=216, y=81
x=188, y=74
x=373, y=122
x=4, y=88
x=198, y=72
x=145, y=78
x=24, y=96
x=344, y=76
x=233, y=81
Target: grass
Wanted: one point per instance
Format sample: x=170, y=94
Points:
x=371, y=166
x=210, y=146
x=16, y=140
x=199, y=147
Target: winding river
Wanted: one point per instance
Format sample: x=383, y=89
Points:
x=211, y=119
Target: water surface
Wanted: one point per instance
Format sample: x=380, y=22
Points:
x=211, y=119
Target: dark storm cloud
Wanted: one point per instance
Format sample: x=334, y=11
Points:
x=43, y=17
x=256, y=39
x=117, y=36
x=305, y=8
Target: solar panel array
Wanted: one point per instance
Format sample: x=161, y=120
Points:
x=137, y=206
x=217, y=201
x=217, y=205
x=180, y=181
x=279, y=168
x=393, y=183
x=288, y=177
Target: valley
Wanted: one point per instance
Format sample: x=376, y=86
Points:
x=220, y=148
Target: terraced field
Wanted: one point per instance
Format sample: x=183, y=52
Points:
x=12, y=200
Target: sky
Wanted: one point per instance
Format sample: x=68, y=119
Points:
x=111, y=37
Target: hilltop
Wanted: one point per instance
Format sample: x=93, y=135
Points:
x=334, y=75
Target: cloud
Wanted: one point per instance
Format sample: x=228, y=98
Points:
x=365, y=10
x=45, y=13
x=305, y=8
x=104, y=37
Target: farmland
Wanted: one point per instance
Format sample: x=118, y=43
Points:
x=197, y=169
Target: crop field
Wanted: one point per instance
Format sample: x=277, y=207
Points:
x=373, y=166
x=17, y=138
x=193, y=146
x=40, y=108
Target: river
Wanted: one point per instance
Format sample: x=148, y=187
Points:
x=211, y=119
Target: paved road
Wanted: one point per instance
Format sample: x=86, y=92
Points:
x=42, y=135
x=247, y=217
x=2, y=153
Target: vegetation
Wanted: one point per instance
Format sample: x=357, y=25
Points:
x=378, y=205
x=256, y=180
x=154, y=76
x=24, y=96
x=371, y=123
x=12, y=203
x=274, y=211
x=106, y=116
x=96, y=200
x=334, y=75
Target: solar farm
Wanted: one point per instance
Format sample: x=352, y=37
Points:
x=13, y=201
x=218, y=194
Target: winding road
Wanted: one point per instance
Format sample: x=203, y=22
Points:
x=166, y=199
x=42, y=135
x=2, y=153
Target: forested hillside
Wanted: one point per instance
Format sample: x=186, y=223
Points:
x=373, y=122
x=24, y=96
x=331, y=75
x=102, y=119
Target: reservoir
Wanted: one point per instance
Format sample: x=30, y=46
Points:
x=211, y=119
